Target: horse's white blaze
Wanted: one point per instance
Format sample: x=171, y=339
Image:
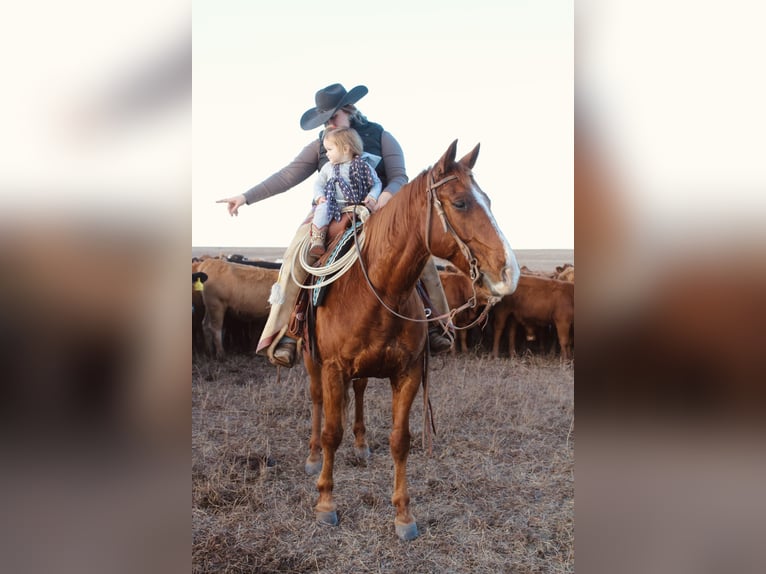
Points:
x=504, y=286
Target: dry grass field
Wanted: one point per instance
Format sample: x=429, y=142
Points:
x=495, y=495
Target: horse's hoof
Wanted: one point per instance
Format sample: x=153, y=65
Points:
x=407, y=531
x=329, y=518
x=313, y=468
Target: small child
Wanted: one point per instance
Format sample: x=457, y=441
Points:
x=349, y=178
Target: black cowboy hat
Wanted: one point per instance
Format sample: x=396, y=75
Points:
x=328, y=101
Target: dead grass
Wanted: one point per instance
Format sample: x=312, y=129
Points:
x=496, y=495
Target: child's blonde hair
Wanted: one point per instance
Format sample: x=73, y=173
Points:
x=346, y=137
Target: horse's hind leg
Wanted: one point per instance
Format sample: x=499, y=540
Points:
x=403, y=393
x=314, y=460
x=334, y=397
x=361, y=448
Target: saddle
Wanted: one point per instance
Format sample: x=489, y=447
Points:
x=340, y=238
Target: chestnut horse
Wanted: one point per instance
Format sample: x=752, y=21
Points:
x=379, y=329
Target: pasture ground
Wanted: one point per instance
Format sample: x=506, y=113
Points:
x=495, y=495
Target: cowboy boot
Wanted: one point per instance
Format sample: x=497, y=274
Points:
x=438, y=341
x=284, y=353
x=318, y=238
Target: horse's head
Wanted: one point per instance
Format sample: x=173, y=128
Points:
x=463, y=229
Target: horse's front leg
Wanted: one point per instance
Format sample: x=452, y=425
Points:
x=334, y=400
x=314, y=460
x=361, y=448
x=403, y=394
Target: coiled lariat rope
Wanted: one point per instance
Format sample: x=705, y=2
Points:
x=337, y=268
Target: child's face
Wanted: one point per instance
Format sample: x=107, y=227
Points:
x=336, y=153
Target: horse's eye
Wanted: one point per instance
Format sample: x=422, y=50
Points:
x=460, y=204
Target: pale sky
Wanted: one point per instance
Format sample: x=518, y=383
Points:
x=498, y=74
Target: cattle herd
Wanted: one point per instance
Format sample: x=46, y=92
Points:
x=230, y=307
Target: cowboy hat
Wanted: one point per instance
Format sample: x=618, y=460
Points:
x=328, y=101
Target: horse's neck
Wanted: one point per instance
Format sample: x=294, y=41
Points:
x=395, y=251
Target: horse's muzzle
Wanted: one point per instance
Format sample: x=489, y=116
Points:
x=509, y=278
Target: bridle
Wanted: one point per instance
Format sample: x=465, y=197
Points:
x=437, y=205
x=434, y=203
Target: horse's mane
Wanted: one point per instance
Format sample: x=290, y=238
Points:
x=406, y=201
x=389, y=220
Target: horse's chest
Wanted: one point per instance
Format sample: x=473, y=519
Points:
x=382, y=360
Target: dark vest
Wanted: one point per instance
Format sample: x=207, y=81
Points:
x=370, y=133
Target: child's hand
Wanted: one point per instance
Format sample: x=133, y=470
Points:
x=320, y=200
x=370, y=203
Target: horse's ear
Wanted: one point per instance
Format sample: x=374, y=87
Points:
x=447, y=160
x=470, y=159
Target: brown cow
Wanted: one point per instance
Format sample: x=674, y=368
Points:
x=241, y=290
x=527, y=271
x=537, y=301
x=198, y=309
x=539, y=334
x=565, y=272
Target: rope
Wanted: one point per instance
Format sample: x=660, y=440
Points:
x=338, y=267
x=428, y=411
